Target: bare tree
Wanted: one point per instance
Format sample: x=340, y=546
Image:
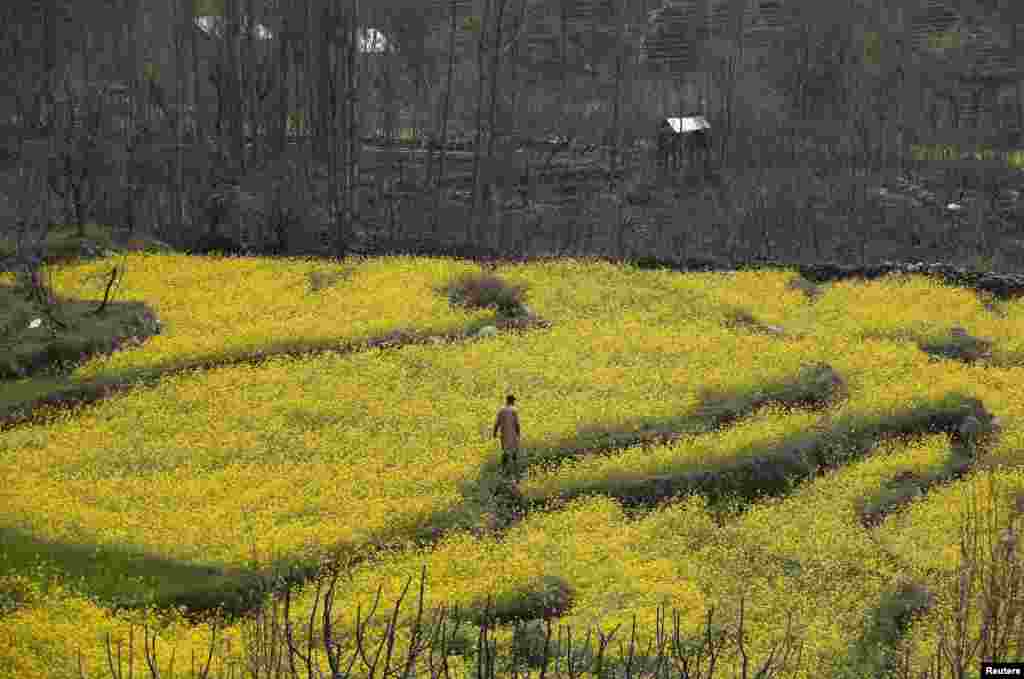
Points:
x=492, y=193
x=445, y=112
x=32, y=227
x=473, y=229
x=352, y=99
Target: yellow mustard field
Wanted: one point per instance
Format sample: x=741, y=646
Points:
x=297, y=456
x=222, y=307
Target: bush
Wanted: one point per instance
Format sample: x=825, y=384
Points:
x=462, y=642
x=480, y=291
x=549, y=597
x=528, y=644
x=528, y=647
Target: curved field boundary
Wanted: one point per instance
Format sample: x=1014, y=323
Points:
x=968, y=445
x=873, y=650
x=815, y=386
x=771, y=471
x=241, y=590
x=43, y=410
x=886, y=623
x=774, y=472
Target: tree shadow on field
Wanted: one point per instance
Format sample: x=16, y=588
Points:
x=121, y=576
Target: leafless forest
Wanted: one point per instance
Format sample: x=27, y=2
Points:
x=840, y=130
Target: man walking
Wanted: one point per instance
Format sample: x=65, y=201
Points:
x=508, y=423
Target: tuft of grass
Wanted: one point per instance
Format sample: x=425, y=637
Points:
x=15, y=592
x=319, y=280
x=809, y=289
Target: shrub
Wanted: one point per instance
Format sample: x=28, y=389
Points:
x=528, y=647
x=461, y=642
x=549, y=597
x=479, y=291
x=528, y=644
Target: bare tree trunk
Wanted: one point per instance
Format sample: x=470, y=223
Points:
x=52, y=67
x=184, y=24
x=235, y=109
x=563, y=25
x=330, y=65
x=1015, y=43
x=52, y=47
x=444, y=119
x=478, y=147
x=493, y=193
x=201, y=129
x=343, y=130
x=352, y=182
x=284, y=67
x=391, y=106
x=616, y=131
x=76, y=163
x=89, y=108
x=310, y=138
x=313, y=94
x=254, y=71
x=517, y=107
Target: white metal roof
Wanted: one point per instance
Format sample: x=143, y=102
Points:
x=371, y=40
x=214, y=25
x=689, y=124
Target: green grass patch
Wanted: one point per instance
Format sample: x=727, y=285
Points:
x=32, y=346
x=925, y=152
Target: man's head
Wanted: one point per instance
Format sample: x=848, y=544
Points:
x=510, y=400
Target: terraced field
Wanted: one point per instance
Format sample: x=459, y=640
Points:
x=690, y=441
